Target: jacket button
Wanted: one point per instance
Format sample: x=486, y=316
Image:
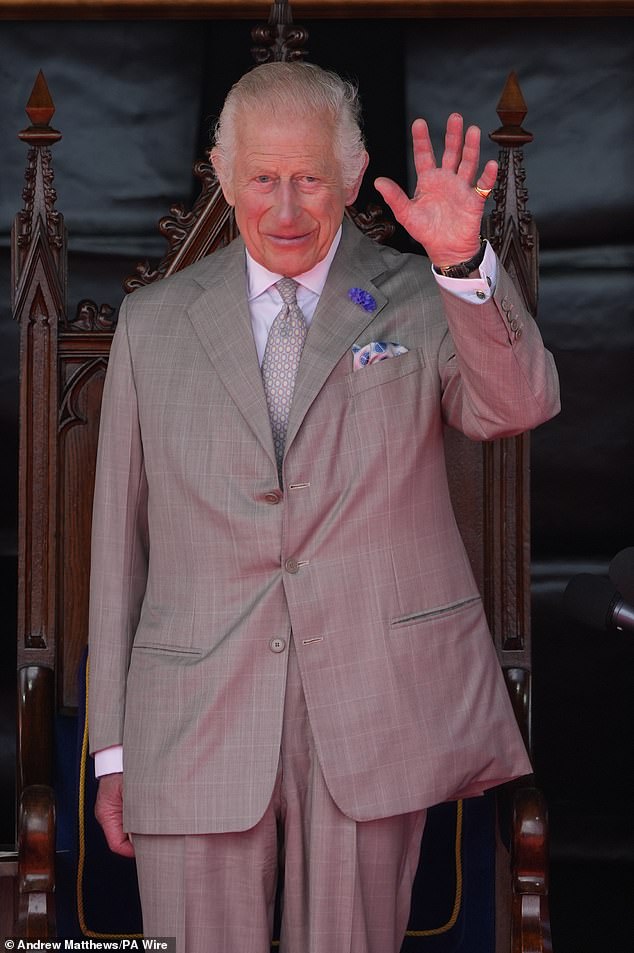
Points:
x=277, y=645
x=273, y=497
x=291, y=565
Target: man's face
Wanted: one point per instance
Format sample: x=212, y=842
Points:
x=287, y=190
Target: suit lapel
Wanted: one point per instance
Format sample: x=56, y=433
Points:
x=338, y=322
x=221, y=319
x=222, y=322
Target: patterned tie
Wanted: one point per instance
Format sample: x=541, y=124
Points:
x=280, y=362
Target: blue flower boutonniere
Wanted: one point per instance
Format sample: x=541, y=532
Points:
x=363, y=298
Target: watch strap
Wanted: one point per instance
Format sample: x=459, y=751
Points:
x=464, y=268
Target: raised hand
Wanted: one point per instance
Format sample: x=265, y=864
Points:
x=445, y=213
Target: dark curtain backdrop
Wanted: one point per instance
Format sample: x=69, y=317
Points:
x=135, y=102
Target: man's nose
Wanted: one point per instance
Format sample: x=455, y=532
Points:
x=287, y=207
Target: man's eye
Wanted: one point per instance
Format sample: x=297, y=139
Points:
x=263, y=179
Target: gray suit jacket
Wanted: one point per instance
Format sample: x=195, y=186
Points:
x=201, y=568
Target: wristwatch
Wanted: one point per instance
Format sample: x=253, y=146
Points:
x=464, y=268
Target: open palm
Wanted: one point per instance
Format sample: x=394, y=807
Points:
x=445, y=213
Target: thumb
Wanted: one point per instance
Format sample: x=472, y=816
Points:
x=393, y=195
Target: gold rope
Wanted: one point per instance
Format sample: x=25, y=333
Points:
x=451, y=922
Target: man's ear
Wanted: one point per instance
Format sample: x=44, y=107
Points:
x=353, y=190
x=223, y=177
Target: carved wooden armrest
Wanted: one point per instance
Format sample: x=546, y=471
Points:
x=36, y=814
x=36, y=862
x=529, y=849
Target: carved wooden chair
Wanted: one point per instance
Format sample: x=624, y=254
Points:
x=63, y=361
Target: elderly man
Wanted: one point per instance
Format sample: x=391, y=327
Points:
x=288, y=649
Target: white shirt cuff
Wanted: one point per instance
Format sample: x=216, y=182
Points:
x=109, y=761
x=474, y=290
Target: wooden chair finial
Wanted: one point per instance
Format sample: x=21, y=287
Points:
x=40, y=107
x=512, y=110
x=40, y=110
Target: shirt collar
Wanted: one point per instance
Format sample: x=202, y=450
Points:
x=260, y=278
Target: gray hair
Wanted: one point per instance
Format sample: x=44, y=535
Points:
x=295, y=90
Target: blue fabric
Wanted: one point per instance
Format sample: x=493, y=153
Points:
x=435, y=883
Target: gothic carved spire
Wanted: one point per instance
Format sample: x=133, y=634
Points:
x=510, y=227
x=38, y=194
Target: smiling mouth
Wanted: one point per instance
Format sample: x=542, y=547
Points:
x=289, y=239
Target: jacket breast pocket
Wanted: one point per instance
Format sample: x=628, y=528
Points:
x=382, y=372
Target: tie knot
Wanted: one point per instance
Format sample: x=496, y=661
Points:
x=287, y=288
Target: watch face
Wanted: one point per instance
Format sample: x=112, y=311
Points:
x=458, y=271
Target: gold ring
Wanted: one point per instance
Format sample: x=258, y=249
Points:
x=484, y=193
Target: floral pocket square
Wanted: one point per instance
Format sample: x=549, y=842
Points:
x=375, y=351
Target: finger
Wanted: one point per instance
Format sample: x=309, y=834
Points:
x=122, y=847
x=424, y=158
x=489, y=175
x=453, y=143
x=116, y=838
x=468, y=168
x=393, y=195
